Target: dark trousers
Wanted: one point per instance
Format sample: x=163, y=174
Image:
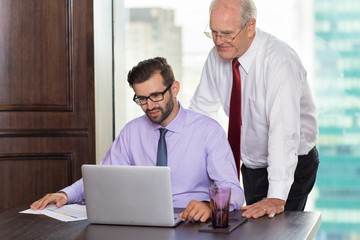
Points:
x=256, y=182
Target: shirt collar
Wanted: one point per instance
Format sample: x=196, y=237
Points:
x=176, y=125
x=249, y=56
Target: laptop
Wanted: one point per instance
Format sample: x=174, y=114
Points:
x=129, y=195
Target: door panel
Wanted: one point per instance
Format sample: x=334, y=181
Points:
x=46, y=96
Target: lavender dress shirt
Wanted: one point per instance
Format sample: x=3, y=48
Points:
x=198, y=155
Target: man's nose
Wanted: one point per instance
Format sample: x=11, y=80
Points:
x=218, y=40
x=150, y=104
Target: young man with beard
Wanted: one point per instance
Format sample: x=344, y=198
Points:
x=198, y=152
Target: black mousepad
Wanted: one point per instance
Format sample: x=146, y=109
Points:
x=233, y=224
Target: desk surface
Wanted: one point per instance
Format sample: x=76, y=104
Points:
x=288, y=225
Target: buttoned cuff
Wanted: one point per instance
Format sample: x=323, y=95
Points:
x=70, y=194
x=75, y=192
x=279, y=189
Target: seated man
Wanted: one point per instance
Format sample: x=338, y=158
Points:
x=198, y=152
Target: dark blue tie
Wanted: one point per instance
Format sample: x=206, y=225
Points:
x=162, y=151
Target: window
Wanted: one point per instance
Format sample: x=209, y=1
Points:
x=325, y=34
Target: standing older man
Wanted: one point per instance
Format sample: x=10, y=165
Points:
x=262, y=86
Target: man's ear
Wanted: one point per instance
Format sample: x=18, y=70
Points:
x=175, y=88
x=251, y=28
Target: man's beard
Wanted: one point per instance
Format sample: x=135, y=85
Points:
x=164, y=112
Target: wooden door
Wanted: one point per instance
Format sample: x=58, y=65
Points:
x=46, y=96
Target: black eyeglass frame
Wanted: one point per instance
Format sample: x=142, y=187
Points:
x=137, y=101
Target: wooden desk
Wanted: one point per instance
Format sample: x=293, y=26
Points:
x=288, y=225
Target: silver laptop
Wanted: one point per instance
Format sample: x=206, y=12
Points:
x=129, y=195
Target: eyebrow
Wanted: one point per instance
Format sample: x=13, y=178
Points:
x=223, y=32
x=149, y=94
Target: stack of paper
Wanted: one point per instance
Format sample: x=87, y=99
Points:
x=66, y=213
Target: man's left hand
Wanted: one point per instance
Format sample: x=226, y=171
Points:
x=268, y=206
x=198, y=211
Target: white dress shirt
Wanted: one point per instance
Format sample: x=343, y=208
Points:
x=278, y=110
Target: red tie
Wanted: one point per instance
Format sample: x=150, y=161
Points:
x=234, y=133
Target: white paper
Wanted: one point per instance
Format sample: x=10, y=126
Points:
x=66, y=213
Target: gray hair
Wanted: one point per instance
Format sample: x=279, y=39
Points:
x=247, y=9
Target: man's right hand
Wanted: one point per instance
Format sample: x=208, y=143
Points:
x=59, y=199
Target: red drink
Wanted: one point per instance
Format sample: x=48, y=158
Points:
x=220, y=206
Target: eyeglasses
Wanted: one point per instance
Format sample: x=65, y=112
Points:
x=154, y=97
x=226, y=37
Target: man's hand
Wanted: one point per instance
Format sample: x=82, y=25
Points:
x=268, y=206
x=199, y=211
x=59, y=199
